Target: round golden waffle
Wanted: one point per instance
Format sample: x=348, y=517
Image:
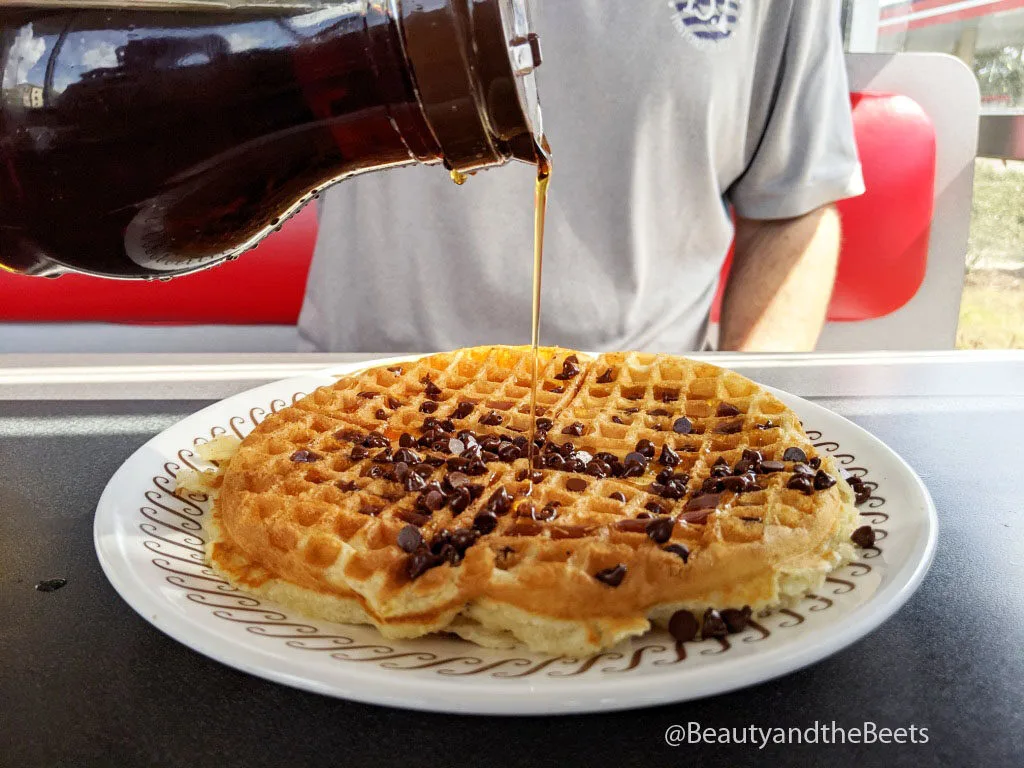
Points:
x=403, y=497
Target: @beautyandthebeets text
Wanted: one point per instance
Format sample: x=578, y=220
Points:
x=867, y=732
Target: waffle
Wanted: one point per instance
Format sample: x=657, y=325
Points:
x=404, y=497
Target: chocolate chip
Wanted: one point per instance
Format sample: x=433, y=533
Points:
x=737, y=484
x=376, y=440
x=407, y=455
x=712, y=485
x=803, y=469
x=430, y=388
x=441, y=538
x=679, y=550
x=742, y=467
x=555, y=461
x=660, y=529
x=500, y=502
x=815, y=463
x=548, y=512
x=727, y=409
x=612, y=576
x=575, y=429
x=617, y=420
x=683, y=626
x=713, y=625
x=862, y=494
x=570, y=368
x=396, y=369
x=374, y=472
x=864, y=536
x=462, y=410
x=349, y=435
x=682, y=426
x=704, y=501
x=359, y=453
x=801, y=483
x=460, y=500
x=305, y=457
x=749, y=454
x=646, y=449
x=794, y=454
x=618, y=496
x=607, y=377
x=410, y=538
x=766, y=425
x=544, y=424
x=380, y=414
x=823, y=481
x=476, y=468
x=420, y=562
x=428, y=406
x=508, y=452
x=655, y=507
x=485, y=522
x=668, y=458
x=676, y=487
x=456, y=480
x=394, y=403
x=414, y=482
x=635, y=458
x=491, y=419
x=464, y=538
x=769, y=467
x=576, y=484
x=736, y=620
x=730, y=428
x=432, y=500
x=367, y=395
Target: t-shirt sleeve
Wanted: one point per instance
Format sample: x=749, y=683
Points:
x=807, y=156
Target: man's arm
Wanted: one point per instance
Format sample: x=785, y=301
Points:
x=781, y=281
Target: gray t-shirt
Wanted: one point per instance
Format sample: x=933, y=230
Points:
x=660, y=115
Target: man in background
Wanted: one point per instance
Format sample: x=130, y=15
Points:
x=676, y=128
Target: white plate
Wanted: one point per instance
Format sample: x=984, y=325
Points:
x=150, y=544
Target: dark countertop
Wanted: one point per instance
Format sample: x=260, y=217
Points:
x=87, y=682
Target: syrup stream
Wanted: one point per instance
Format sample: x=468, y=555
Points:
x=539, y=216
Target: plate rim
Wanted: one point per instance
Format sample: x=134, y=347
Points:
x=485, y=697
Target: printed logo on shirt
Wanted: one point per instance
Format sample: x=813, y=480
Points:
x=706, y=23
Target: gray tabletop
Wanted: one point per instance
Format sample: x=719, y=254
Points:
x=85, y=681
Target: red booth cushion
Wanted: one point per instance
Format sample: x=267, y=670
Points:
x=263, y=287
x=885, y=231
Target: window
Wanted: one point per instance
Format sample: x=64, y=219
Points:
x=988, y=36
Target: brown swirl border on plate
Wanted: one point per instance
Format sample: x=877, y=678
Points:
x=173, y=528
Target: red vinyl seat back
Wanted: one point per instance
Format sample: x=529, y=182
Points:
x=263, y=287
x=884, y=252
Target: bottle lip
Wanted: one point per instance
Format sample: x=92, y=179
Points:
x=472, y=64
